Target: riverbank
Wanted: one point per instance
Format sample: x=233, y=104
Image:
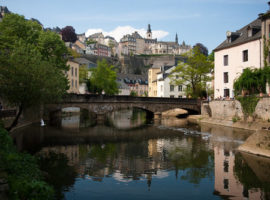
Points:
x=252, y=125
x=258, y=143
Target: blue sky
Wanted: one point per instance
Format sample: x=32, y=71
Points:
x=204, y=21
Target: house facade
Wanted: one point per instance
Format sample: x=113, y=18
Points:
x=135, y=83
x=164, y=86
x=152, y=80
x=73, y=77
x=240, y=50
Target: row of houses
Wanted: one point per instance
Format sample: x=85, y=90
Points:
x=155, y=84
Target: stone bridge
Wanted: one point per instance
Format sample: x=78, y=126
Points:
x=102, y=104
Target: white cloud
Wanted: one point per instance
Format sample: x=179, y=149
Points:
x=120, y=31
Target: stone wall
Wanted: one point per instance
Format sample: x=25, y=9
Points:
x=262, y=110
x=225, y=110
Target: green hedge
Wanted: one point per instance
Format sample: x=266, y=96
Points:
x=23, y=175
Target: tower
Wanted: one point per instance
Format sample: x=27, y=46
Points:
x=176, y=38
x=149, y=32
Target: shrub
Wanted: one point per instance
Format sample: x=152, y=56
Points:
x=24, y=177
x=248, y=104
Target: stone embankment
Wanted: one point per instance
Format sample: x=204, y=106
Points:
x=230, y=113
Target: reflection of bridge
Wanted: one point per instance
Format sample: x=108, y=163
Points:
x=102, y=104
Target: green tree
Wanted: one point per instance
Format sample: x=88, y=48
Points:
x=83, y=74
x=32, y=63
x=133, y=93
x=103, y=79
x=194, y=73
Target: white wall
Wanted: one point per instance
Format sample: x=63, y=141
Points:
x=163, y=87
x=235, y=65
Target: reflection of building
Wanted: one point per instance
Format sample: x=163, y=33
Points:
x=226, y=183
x=71, y=151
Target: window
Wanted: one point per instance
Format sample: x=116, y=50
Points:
x=75, y=71
x=226, y=92
x=226, y=183
x=171, y=96
x=71, y=71
x=226, y=60
x=269, y=30
x=72, y=83
x=180, y=96
x=171, y=88
x=250, y=32
x=226, y=153
x=75, y=83
x=161, y=88
x=226, y=77
x=245, y=56
x=180, y=88
x=225, y=166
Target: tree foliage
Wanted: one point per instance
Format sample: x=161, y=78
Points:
x=103, y=79
x=68, y=34
x=251, y=81
x=194, y=73
x=203, y=49
x=31, y=64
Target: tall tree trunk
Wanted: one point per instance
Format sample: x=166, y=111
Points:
x=15, y=121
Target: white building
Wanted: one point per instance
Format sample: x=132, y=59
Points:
x=240, y=50
x=164, y=86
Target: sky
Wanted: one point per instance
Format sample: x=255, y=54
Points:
x=195, y=21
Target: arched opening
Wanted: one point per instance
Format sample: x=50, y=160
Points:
x=72, y=118
x=129, y=118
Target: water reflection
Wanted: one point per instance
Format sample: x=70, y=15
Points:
x=127, y=119
x=154, y=162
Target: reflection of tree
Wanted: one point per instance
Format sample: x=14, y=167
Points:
x=102, y=153
x=87, y=119
x=197, y=161
x=247, y=177
x=59, y=173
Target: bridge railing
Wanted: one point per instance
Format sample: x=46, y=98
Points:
x=118, y=98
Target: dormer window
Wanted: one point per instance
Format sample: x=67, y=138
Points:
x=250, y=32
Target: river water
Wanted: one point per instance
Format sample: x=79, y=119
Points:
x=131, y=157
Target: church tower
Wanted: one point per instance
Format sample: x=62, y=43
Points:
x=149, y=32
x=176, y=38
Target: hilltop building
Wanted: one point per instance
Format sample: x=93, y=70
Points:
x=3, y=10
x=135, y=44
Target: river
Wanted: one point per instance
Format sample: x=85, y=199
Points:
x=132, y=157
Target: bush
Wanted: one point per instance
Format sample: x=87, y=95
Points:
x=24, y=177
x=248, y=104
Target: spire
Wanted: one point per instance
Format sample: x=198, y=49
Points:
x=149, y=32
x=176, y=38
x=149, y=29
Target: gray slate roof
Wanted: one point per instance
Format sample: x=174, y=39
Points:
x=243, y=38
x=84, y=61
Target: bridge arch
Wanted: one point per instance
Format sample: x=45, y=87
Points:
x=102, y=104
